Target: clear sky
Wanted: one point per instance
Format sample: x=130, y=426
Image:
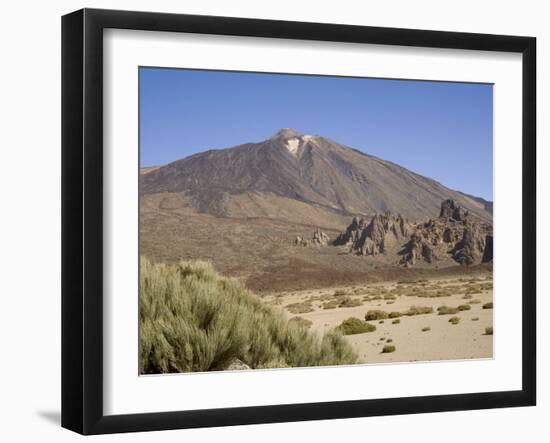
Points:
x=440, y=130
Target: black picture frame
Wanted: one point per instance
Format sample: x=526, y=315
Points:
x=82, y=218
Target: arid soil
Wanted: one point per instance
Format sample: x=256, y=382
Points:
x=261, y=250
x=421, y=337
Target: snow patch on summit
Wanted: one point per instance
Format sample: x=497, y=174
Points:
x=292, y=145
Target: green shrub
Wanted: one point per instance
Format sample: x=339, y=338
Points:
x=454, y=320
x=475, y=318
x=354, y=325
x=330, y=304
x=193, y=319
x=300, y=307
x=395, y=314
x=426, y=329
x=488, y=305
x=464, y=307
x=396, y=321
x=340, y=292
x=388, y=349
x=418, y=310
x=489, y=330
x=349, y=302
x=389, y=340
x=376, y=314
x=446, y=310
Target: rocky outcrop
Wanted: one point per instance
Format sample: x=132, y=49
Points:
x=383, y=232
x=488, y=252
x=450, y=209
x=456, y=234
x=352, y=233
x=320, y=238
x=472, y=248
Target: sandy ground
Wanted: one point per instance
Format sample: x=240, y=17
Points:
x=444, y=341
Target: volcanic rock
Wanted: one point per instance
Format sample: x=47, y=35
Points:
x=320, y=238
x=383, y=232
x=450, y=209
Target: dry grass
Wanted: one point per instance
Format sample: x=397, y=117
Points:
x=354, y=325
x=300, y=307
x=447, y=310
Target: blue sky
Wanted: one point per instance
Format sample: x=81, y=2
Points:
x=441, y=130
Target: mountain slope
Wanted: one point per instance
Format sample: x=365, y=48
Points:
x=309, y=169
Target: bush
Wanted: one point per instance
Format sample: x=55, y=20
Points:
x=464, y=308
x=349, y=302
x=389, y=340
x=454, y=320
x=475, y=318
x=489, y=330
x=426, y=329
x=418, y=310
x=193, y=319
x=396, y=321
x=395, y=314
x=300, y=307
x=354, y=325
x=388, y=349
x=376, y=314
x=446, y=310
x=330, y=304
x=340, y=292
x=488, y=305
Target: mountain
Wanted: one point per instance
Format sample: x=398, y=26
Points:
x=291, y=168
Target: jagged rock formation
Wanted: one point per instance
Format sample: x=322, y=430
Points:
x=452, y=210
x=455, y=234
x=473, y=246
x=383, y=232
x=319, y=239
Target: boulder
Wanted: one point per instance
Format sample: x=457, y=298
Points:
x=236, y=365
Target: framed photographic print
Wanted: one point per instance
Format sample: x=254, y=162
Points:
x=268, y=221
